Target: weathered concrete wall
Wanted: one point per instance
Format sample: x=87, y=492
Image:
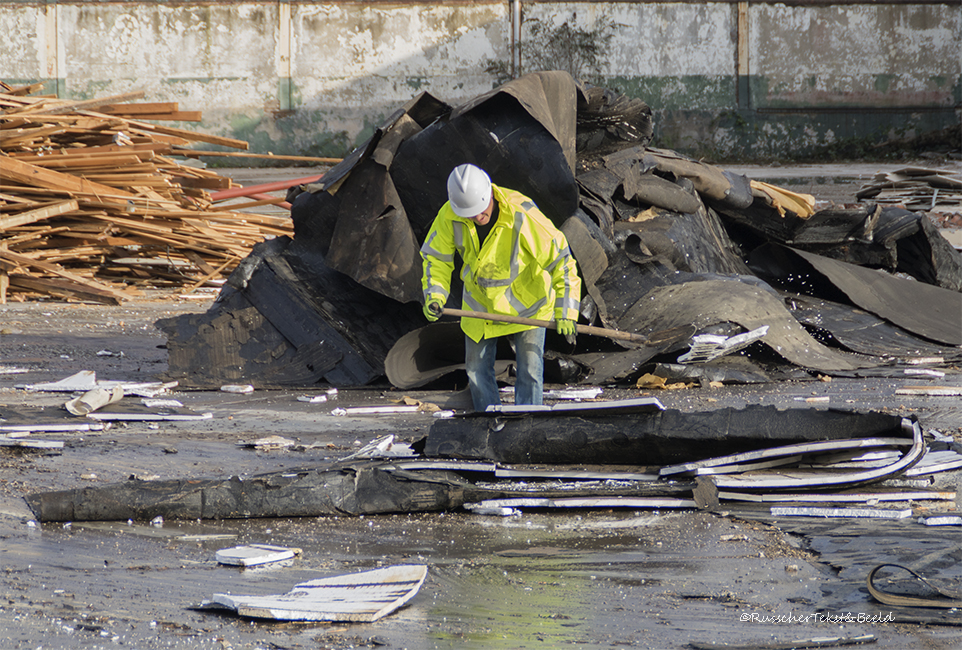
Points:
x=766, y=80
x=748, y=79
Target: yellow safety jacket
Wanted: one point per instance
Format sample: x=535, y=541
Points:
x=525, y=267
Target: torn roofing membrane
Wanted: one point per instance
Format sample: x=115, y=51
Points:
x=661, y=241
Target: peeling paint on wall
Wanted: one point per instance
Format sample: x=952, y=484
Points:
x=313, y=78
x=847, y=55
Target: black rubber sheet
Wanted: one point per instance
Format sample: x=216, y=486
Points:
x=646, y=439
x=860, y=331
x=923, y=309
x=888, y=238
x=661, y=241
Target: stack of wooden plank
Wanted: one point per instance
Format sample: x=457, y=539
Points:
x=94, y=205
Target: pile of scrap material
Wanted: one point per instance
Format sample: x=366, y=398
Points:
x=93, y=205
x=613, y=454
x=663, y=242
x=915, y=188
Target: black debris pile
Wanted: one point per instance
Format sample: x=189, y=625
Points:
x=662, y=241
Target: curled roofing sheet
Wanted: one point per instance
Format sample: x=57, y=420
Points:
x=928, y=311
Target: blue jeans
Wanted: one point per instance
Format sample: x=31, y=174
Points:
x=479, y=361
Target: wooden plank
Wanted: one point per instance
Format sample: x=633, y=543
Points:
x=223, y=249
x=65, y=107
x=191, y=153
x=172, y=140
x=208, y=275
x=32, y=216
x=92, y=162
x=140, y=108
x=24, y=90
x=47, y=178
x=250, y=204
x=65, y=288
x=192, y=135
x=23, y=135
x=200, y=263
x=140, y=148
x=206, y=183
x=35, y=233
x=4, y=278
x=56, y=269
x=179, y=116
x=13, y=199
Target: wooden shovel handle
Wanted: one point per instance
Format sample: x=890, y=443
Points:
x=582, y=329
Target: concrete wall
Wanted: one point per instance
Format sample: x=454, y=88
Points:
x=744, y=79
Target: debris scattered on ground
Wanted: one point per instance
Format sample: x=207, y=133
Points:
x=794, y=644
x=358, y=597
x=94, y=399
x=383, y=447
x=255, y=554
x=86, y=380
x=583, y=466
x=242, y=389
x=915, y=188
x=269, y=443
x=942, y=599
x=807, y=511
x=708, y=347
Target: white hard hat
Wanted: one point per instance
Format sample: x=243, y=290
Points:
x=469, y=190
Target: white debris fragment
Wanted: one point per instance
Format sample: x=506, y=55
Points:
x=157, y=522
x=866, y=513
x=376, y=410
x=82, y=381
x=93, y=400
x=941, y=520
x=254, y=554
x=931, y=391
x=494, y=511
x=443, y=414
x=312, y=399
x=924, y=371
x=384, y=447
x=86, y=380
x=270, y=442
x=108, y=353
x=238, y=388
x=706, y=347
x=575, y=394
x=161, y=403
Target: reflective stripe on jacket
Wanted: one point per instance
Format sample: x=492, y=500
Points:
x=525, y=267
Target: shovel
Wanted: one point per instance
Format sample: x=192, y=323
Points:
x=657, y=338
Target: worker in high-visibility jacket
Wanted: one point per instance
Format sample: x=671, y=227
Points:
x=514, y=262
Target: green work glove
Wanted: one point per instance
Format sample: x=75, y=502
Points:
x=432, y=311
x=566, y=328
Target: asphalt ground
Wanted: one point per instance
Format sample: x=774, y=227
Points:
x=585, y=579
